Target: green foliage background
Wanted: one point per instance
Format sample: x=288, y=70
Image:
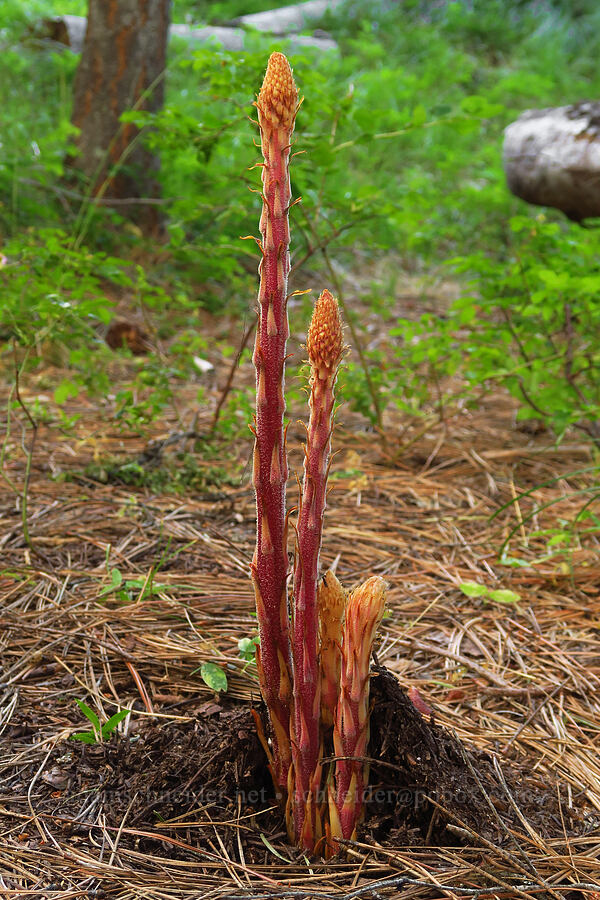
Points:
x=401, y=134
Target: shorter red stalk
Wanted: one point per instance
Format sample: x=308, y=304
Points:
x=331, y=601
x=364, y=611
x=324, y=345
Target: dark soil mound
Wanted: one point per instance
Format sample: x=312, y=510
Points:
x=168, y=787
x=427, y=788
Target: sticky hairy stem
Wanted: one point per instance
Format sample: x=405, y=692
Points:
x=276, y=104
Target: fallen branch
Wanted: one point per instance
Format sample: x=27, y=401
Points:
x=70, y=31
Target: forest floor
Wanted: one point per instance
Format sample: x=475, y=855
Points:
x=123, y=592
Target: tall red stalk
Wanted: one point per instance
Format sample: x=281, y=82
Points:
x=324, y=345
x=276, y=103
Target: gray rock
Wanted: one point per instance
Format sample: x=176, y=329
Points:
x=551, y=157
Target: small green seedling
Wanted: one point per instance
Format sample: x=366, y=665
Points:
x=116, y=580
x=247, y=647
x=131, y=589
x=99, y=733
x=472, y=589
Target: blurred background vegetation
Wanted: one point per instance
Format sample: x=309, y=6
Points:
x=454, y=286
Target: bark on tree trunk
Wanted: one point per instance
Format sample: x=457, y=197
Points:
x=122, y=66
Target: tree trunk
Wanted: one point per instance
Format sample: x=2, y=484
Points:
x=122, y=67
x=552, y=158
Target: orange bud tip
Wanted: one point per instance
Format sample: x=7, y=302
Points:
x=324, y=341
x=278, y=97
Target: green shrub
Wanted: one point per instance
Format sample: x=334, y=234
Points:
x=400, y=142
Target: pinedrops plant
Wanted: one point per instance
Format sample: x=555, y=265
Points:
x=313, y=660
x=276, y=104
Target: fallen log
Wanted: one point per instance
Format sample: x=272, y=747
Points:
x=551, y=157
x=287, y=19
x=70, y=30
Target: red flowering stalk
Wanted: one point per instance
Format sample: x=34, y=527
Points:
x=277, y=104
x=364, y=611
x=324, y=344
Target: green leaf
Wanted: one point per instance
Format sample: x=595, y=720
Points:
x=86, y=737
x=472, y=589
x=555, y=280
x=65, y=391
x=89, y=714
x=516, y=562
x=503, y=596
x=419, y=116
x=476, y=105
x=213, y=676
x=270, y=847
x=247, y=647
x=150, y=587
x=110, y=725
x=116, y=581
